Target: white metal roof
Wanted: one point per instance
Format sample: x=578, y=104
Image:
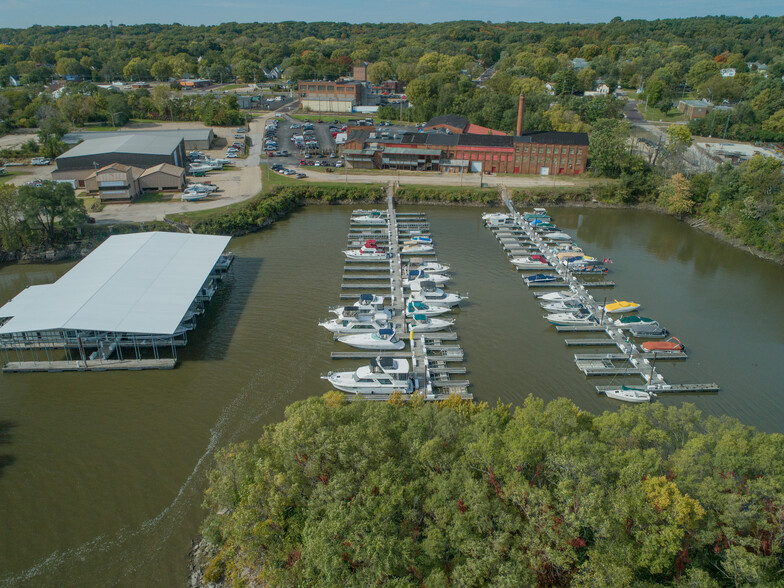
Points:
x=137, y=283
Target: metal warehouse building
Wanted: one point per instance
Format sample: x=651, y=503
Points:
x=138, y=150
x=193, y=138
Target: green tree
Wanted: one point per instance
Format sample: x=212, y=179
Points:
x=50, y=130
x=608, y=146
x=12, y=228
x=675, y=196
x=379, y=71
x=51, y=204
x=702, y=71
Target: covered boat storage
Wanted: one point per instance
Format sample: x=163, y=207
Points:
x=127, y=305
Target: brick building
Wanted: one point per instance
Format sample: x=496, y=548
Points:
x=458, y=125
x=320, y=96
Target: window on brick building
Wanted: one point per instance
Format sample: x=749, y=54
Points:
x=579, y=152
x=571, y=151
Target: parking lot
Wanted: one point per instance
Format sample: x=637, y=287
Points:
x=308, y=153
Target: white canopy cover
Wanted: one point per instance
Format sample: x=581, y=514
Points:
x=137, y=283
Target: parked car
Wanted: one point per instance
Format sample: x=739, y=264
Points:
x=338, y=164
x=301, y=175
x=39, y=161
x=231, y=156
x=238, y=136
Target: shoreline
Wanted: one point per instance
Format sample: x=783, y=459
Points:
x=69, y=251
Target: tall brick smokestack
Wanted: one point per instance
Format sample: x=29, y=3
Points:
x=520, y=114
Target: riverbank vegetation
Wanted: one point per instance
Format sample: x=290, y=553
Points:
x=455, y=493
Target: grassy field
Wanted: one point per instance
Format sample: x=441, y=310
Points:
x=655, y=115
x=91, y=204
x=233, y=86
x=9, y=175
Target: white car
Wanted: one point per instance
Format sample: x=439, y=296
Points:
x=231, y=156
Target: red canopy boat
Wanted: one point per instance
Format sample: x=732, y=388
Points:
x=671, y=344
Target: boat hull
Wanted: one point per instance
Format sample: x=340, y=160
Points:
x=363, y=342
x=634, y=396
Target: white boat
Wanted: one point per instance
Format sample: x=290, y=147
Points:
x=420, y=275
x=428, y=293
x=534, y=262
x=424, y=324
x=417, y=248
x=193, y=196
x=381, y=340
x=562, y=296
x=557, y=236
x=414, y=239
x=362, y=323
x=628, y=394
x=365, y=303
x=563, y=306
x=373, y=217
x=499, y=220
x=384, y=375
x=368, y=251
x=572, y=318
x=416, y=307
x=378, y=312
x=431, y=267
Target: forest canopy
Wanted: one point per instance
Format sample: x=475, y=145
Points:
x=453, y=493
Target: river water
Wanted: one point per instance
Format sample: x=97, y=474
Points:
x=102, y=474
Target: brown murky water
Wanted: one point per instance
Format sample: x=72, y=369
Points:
x=101, y=474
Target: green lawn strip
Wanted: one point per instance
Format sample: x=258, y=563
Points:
x=9, y=175
x=149, y=197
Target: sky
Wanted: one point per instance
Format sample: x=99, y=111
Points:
x=25, y=13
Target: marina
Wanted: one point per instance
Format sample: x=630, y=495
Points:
x=433, y=350
x=522, y=234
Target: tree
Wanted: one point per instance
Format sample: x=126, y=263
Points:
x=12, y=227
x=775, y=123
x=44, y=206
x=379, y=71
x=50, y=130
x=161, y=70
x=675, y=195
x=702, y=71
x=608, y=146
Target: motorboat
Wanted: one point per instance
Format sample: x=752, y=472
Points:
x=562, y=296
x=620, y=306
x=670, y=345
x=566, y=248
x=414, y=239
x=498, y=219
x=627, y=321
x=557, y=236
x=428, y=293
x=572, y=318
x=431, y=267
x=381, y=340
x=419, y=275
x=365, y=303
x=538, y=214
x=540, y=223
x=628, y=394
x=372, y=217
x=541, y=278
x=422, y=323
x=417, y=307
x=532, y=262
x=384, y=375
x=362, y=323
x=647, y=330
x=416, y=248
x=368, y=251
x=587, y=267
x=193, y=196
x=565, y=306
x=378, y=312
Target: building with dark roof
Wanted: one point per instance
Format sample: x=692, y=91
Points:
x=532, y=152
x=453, y=123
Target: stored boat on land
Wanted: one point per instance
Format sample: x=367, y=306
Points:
x=381, y=340
x=422, y=323
x=671, y=344
x=620, y=306
x=384, y=375
x=628, y=394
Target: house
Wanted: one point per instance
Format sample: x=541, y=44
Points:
x=163, y=176
x=579, y=63
x=14, y=81
x=115, y=183
x=188, y=84
x=274, y=73
x=727, y=72
x=758, y=67
x=603, y=89
x=694, y=108
x=550, y=88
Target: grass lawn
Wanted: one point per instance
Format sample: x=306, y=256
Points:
x=91, y=204
x=233, y=86
x=655, y=115
x=149, y=197
x=8, y=175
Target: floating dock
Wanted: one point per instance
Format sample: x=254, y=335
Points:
x=521, y=236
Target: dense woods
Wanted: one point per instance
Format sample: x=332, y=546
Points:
x=453, y=493
x=668, y=59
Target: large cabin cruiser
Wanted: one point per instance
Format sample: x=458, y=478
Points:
x=384, y=375
x=362, y=323
x=368, y=251
x=420, y=275
x=425, y=324
x=428, y=293
x=416, y=307
x=381, y=340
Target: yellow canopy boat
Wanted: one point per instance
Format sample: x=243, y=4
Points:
x=621, y=306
